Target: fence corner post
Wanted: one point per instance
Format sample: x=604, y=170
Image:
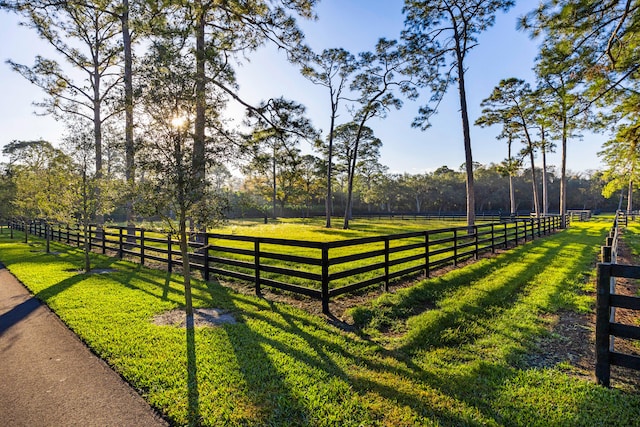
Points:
x=603, y=365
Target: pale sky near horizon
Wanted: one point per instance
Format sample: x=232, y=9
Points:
x=355, y=25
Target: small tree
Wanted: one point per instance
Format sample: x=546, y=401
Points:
x=88, y=192
x=621, y=154
x=83, y=80
x=278, y=127
x=41, y=175
x=331, y=69
x=376, y=86
x=511, y=104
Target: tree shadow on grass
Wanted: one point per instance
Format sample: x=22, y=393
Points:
x=265, y=354
x=482, y=383
x=193, y=394
x=313, y=371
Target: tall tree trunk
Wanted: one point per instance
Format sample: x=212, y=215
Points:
x=534, y=182
x=328, y=204
x=97, y=135
x=85, y=219
x=198, y=159
x=181, y=200
x=471, y=200
x=186, y=268
x=512, y=196
x=545, y=183
x=630, y=196
x=86, y=231
x=512, y=191
x=563, y=172
x=351, y=173
x=129, y=170
x=274, y=183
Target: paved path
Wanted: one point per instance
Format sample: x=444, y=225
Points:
x=48, y=377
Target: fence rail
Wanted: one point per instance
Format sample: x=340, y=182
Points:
x=607, y=328
x=321, y=270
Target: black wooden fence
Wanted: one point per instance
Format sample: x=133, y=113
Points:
x=607, y=328
x=321, y=270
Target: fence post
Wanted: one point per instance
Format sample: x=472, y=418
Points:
x=11, y=228
x=141, y=246
x=475, y=229
x=47, y=236
x=506, y=238
x=493, y=239
x=104, y=240
x=516, y=238
x=325, y=278
x=603, y=365
x=169, y=254
x=89, y=237
x=605, y=253
x=427, y=261
x=455, y=247
x=538, y=227
x=386, y=264
x=256, y=256
x=120, y=243
x=205, y=240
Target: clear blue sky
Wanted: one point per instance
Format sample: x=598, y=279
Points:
x=354, y=25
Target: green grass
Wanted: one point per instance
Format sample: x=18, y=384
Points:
x=631, y=236
x=448, y=351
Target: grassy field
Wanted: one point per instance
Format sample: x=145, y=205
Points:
x=451, y=350
x=313, y=230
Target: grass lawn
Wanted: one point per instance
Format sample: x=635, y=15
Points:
x=447, y=351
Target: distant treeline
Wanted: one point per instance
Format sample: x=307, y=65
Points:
x=441, y=191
